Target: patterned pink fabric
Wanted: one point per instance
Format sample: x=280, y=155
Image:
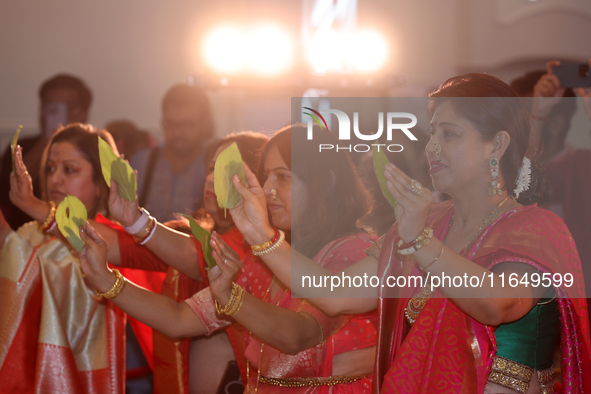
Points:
x=446, y=351
x=344, y=333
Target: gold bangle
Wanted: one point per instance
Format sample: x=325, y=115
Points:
x=50, y=217
x=235, y=307
x=267, y=244
x=117, y=287
x=272, y=247
x=235, y=302
x=438, y=256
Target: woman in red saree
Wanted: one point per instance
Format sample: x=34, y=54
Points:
x=488, y=337
x=291, y=347
x=191, y=364
x=56, y=336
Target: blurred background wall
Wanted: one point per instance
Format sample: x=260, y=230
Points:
x=129, y=52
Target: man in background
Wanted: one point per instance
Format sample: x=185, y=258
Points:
x=171, y=176
x=63, y=99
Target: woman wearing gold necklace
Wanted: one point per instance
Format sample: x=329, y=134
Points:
x=489, y=334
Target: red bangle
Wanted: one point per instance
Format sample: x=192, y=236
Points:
x=406, y=245
x=412, y=243
x=270, y=242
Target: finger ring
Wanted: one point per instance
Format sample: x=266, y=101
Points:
x=225, y=261
x=416, y=187
x=24, y=173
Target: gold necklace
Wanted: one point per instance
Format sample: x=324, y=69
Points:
x=488, y=219
x=417, y=302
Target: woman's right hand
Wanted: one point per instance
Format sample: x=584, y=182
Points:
x=250, y=214
x=21, y=185
x=547, y=92
x=122, y=210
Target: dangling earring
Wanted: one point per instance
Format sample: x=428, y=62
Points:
x=437, y=149
x=494, y=188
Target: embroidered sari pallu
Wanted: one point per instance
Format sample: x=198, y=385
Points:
x=446, y=351
x=56, y=335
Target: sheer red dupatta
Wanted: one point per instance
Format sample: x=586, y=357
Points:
x=446, y=350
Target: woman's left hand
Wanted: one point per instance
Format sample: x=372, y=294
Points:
x=93, y=259
x=412, y=208
x=222, y=275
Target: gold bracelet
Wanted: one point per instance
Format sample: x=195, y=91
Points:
x=235, y=307
x=50, y=217
x=438, y=256
x=267, y=244
x=235, y=302
x=117, y=287
x=272, y=247
x=234, y=296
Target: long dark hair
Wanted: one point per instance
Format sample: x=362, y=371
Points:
x=497, y=107
x=84, y=138
x=337, y=200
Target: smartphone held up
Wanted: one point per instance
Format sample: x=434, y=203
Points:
x=573, y=75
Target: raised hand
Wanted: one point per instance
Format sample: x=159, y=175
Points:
x=93, y=259
x=582, y=92
x=125, y=212
x=412, y=208
x=250, y=214
x=21, y=184
x=547, y=92
x=222, y=275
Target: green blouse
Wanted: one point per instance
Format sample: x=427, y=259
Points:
x=532, y=339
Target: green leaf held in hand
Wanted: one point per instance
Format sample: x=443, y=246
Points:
x=228, y=163
x=13, y=147
x=70, y=215
x=114, y=167
x=203, y=236
x=380, y=161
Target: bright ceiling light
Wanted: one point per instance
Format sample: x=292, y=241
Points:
x=225, y=49
x=368, y=51
x=326, y=51
x=270, y=50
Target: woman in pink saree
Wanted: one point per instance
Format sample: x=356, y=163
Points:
x=485, y=335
